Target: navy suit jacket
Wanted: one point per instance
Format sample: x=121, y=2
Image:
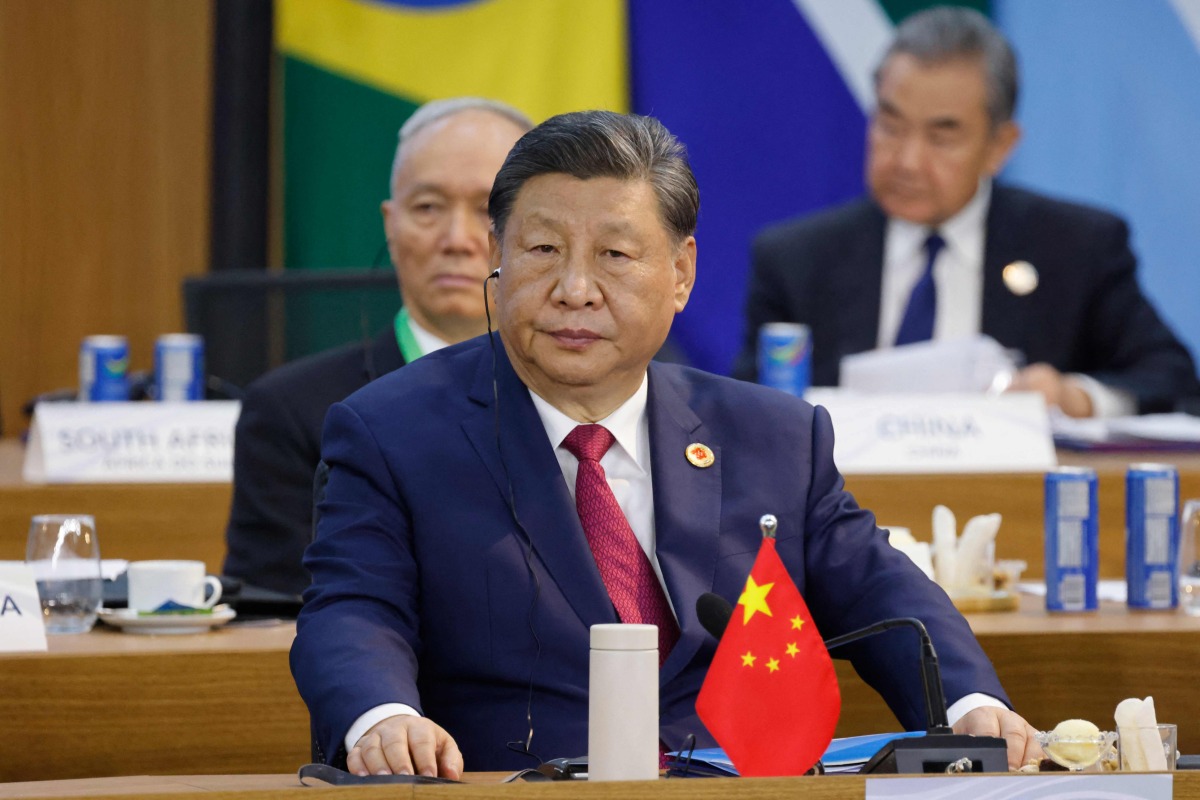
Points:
x=276, y=448
x=1087, y=315
x=450, y=569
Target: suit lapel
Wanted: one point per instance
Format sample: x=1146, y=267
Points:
x=1003, y=317
x=857, y=310
x=542, y=503
x=687, y=508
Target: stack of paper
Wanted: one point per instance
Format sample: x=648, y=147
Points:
x=1148, y=432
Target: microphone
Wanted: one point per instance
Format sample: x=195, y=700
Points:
x=940, y=750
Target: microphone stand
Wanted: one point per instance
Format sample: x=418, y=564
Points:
x=940, y=750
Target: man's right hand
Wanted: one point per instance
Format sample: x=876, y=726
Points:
x=406, y=745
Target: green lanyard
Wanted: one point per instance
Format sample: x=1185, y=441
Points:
x=405, y=339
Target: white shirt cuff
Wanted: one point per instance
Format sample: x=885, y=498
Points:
x=1107, y=402
x=961, y=707
x=376, y=715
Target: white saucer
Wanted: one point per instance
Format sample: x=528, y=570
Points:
x=129, y=621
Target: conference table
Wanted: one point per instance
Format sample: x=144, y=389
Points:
x=142, y=521
x=1184, y=786
x=223, y=702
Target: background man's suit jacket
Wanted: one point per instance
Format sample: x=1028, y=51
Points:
x=277, y=445
x=450, y=567
x=1087, y=315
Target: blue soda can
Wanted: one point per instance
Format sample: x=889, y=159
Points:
x=785, y=356
x=103, y=363
x=1072, y=539
x=179, y=367
x=1152, y=535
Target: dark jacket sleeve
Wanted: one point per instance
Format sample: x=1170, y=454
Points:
x=1131, y=348
x=854, y=578
x=270, y=521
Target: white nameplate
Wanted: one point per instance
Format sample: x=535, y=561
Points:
x=924, y=433
x=132, y=442
x=1048, y=786
x=22, y=629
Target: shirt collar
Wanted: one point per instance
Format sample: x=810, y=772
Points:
x=963, y=232
x=623, y=423
x=426, y=340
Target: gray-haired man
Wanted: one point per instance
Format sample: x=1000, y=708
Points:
x=939, y=251
x=560, y=479
x=437, y=228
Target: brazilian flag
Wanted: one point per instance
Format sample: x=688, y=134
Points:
x=354, y=70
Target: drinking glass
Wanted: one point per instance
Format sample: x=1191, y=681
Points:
x=1189, y=558
x=65, y=557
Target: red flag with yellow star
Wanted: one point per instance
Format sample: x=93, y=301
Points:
x=771, y=697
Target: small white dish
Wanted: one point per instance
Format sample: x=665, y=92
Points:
x=130, y=622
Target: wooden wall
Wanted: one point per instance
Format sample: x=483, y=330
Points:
x=104, y=179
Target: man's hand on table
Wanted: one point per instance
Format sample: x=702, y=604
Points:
x=406, y=745
x=1009, y=725
x=1058, y=389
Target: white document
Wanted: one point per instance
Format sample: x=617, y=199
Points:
x=970, y=364
x=132, y=442
x=22, y=629
x=938, y=433
x=1148, y=429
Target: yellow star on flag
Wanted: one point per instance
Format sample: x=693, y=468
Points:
x=792, y=649
x=773, y=664
x=754, y=599
x=797, y=622
x=748, y=659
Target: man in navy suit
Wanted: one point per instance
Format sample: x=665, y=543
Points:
x=470, y=535
x=1051, y=279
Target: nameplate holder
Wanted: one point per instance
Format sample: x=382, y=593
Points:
x=132, y=442
x=22, y=629
x=938, y=433
x=1048, y=786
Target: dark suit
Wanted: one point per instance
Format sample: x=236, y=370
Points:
x=1087, y=314
x=276, y=448
x=422, y=593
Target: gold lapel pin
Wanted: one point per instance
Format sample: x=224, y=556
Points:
x=700, y=455
x=1020, y=277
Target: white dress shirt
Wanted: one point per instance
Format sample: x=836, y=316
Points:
x=426, y=340
x=958, y=276
x=626, y=464
x=627, y=469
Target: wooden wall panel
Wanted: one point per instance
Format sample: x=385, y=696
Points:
x=104, y=176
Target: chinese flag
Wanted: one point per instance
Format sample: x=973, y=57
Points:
x=771, y=697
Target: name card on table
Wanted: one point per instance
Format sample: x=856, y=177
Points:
x=924, y=433
x=132, y=442
x=1050, y=786
x=22, y=629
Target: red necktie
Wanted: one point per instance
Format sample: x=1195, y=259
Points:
x=632, y=585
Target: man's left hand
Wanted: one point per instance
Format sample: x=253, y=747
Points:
x=1009, y=725
x=1058, y=389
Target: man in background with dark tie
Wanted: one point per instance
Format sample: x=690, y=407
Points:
x=551, y=477
x=940, y=251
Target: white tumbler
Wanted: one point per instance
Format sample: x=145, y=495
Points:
x=623, y=703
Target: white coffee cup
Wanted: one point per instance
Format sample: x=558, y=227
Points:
x=152, y=583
